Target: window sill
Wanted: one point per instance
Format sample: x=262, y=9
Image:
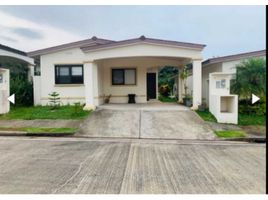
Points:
x=69, y=85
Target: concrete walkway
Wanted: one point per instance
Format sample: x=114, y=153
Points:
x=90, y=166
x=161, y=121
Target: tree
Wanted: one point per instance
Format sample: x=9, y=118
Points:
x=250, y=79
x=183, y=75
x=54, y=99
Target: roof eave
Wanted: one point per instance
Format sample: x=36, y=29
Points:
x=199, y=47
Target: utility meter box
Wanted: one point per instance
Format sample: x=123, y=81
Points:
x=4, y=91
x=222, y=104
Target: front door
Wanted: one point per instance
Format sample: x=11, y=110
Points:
x=151, y=86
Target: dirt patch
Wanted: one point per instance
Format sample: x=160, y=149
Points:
x=255, y=130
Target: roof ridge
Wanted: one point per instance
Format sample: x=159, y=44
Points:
x=78, y=43
x=238, y=55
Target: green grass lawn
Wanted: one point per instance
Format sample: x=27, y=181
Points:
x=45, y=112
x=40, y=130
x=230, y=134
x=243, y=119
x=206, y=115
x=167, y=99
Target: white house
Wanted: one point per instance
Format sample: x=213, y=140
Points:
x=6, y=51
x=225, y=64
x=87, y=70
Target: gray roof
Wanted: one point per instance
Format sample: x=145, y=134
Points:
x=143, y=39
x=88, y=42
x=235, y=57
x=6, y=48
x=95, y=43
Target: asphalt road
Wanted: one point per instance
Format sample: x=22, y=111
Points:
x=69, y=165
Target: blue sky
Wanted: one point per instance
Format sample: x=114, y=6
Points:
x=224, y=29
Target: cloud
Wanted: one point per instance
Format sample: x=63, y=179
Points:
x=27, y=35
x=8, y=39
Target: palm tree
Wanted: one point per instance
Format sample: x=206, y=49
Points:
x=250, y=79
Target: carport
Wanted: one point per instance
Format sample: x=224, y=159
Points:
x=136, y=59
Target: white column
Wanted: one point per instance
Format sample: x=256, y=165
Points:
x=89, y=85
x=197, y=83
x=30, y=73
x=180, y=86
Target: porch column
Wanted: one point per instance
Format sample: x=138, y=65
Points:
x=197, y=83
x=31, y=72
x=89, y=85
x=180, y=86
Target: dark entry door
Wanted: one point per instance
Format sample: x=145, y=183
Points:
x=151, y=86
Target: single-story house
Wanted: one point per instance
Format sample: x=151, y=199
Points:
x=87, y=70
x=225, y=64
x=6, y=51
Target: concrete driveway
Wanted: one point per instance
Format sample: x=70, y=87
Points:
x=159, y=121
x=95, y=166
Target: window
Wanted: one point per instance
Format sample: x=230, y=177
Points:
x=124, y=76
x=69, y=74
x=220, y=84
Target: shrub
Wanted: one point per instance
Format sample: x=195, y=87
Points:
x=164, y=90
x=23, y=90
x=245, y=107
x=54, y=100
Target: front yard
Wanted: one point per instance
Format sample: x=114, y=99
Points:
x=249, y=124
x=45, y=112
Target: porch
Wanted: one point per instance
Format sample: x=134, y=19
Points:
x=139, y=76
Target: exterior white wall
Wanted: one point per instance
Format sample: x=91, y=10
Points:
x=119, y=93
x=205, y=80
x=189, y=84
x=143, y=57
x=68, y=93
x=37, y=90
x=197, y=83
x=4, y=91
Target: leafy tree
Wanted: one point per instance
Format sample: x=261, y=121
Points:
x=166, y=76
x=250, y=79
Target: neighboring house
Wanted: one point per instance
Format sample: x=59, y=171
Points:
x=86, y=70
x=226, y=64
x=9, y=52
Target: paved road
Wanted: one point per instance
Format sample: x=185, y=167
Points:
x=72, y=165
x=146, y=123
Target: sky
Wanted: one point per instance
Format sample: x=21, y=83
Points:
x=225, y=30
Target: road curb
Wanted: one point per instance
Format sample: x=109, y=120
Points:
x=23, y=133
x=251, y=139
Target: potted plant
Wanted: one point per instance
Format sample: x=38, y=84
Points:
x=187, y=100
x=107, y=98
x=202, y=106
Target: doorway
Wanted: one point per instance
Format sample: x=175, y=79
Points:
x=151, y=86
